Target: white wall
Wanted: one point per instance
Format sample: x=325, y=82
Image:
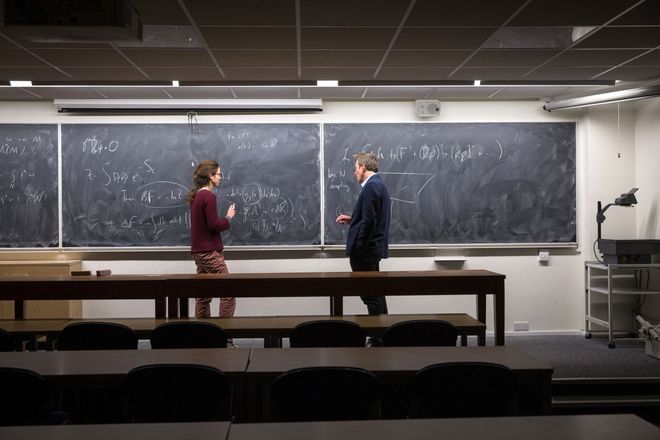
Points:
x=550, y=297
x=647, y=140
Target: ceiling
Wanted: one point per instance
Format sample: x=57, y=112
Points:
x=223, y=48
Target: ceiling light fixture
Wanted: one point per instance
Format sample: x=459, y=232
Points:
x=20, y=83
x=603, y=98
x=327, y=83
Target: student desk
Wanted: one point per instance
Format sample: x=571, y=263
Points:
x=580, y=427
x=397, y=365
x=132, y=431
x=337, y=285
x=51, y=287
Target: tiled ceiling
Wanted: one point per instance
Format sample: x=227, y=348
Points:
x=213, y=47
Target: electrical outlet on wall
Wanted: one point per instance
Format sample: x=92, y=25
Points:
x=520, y=326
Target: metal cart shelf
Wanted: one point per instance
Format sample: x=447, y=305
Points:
x=612, y=280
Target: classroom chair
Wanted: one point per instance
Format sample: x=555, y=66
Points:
x=26, y=399
x=464, y=389
x=177, y=393
x=325, y=393
x=188, y=334
x=7, y=342
x=327, y=333
x=420, y=333
x=96, y=336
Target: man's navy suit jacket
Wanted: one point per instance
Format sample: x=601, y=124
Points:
x=370, y=221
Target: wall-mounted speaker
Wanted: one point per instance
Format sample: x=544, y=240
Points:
x=427, y=108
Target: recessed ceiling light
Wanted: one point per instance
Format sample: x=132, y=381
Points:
x=327, y=83
x=20, y=83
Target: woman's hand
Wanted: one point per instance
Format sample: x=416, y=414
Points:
x=231, y=212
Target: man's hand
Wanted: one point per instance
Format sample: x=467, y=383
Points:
x=343, y=219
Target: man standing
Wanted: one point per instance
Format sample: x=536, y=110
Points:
x=367, y=238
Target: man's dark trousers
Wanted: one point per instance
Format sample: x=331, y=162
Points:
x=376, y=305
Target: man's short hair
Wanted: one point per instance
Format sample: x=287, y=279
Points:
x=369, y=160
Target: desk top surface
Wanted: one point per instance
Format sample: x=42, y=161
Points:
x=142, y=431
x=601, y=427
x=270, y=361
x=120, y=362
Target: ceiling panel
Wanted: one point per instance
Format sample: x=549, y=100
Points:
x=587, y=57
x=32, y=74
x=337, y=73
x=243, y=12
x=570, y=12
x=256, y=74
x=342, y=58
x=256, y=58
x=623, y=37
x=105, y=74
x=633, y=73
x=14, y=93
x=442, y=38
x=183, y=74
x=71, y=57
x=462, y=13
x=650, y=59
x=249, y=38
x=426, y=58
x=490, y=73
x=645, y=14
x=17, y=57
x=353, y=13
x=416, y=73
x=164, y=57
x=346, y=38
x=510, y=57
x=564, y=73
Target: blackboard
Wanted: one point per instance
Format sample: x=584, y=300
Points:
x=28, y=185
x=460, y=182
x=126, y=184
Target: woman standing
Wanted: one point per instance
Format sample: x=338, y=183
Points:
x=205, y=227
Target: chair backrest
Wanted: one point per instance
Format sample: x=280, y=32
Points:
x=96, y=336
x=420, y=333
x=7, y=342
x=188, y=334
x=25, y=397
x=326, y=393
x=464, y=389
x=177, y=393
x=327, y=333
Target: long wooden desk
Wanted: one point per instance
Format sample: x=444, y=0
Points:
x=337, y=285
x=397, y=365
x=171, y=289
x=581, y=427
x=86, y=287
x=131, y=431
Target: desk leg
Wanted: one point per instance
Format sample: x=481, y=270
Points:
x=19, y=309
x=481, y=315
x=336, y=305
x=160, y=307
x=498, y=305
x=183, y=308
